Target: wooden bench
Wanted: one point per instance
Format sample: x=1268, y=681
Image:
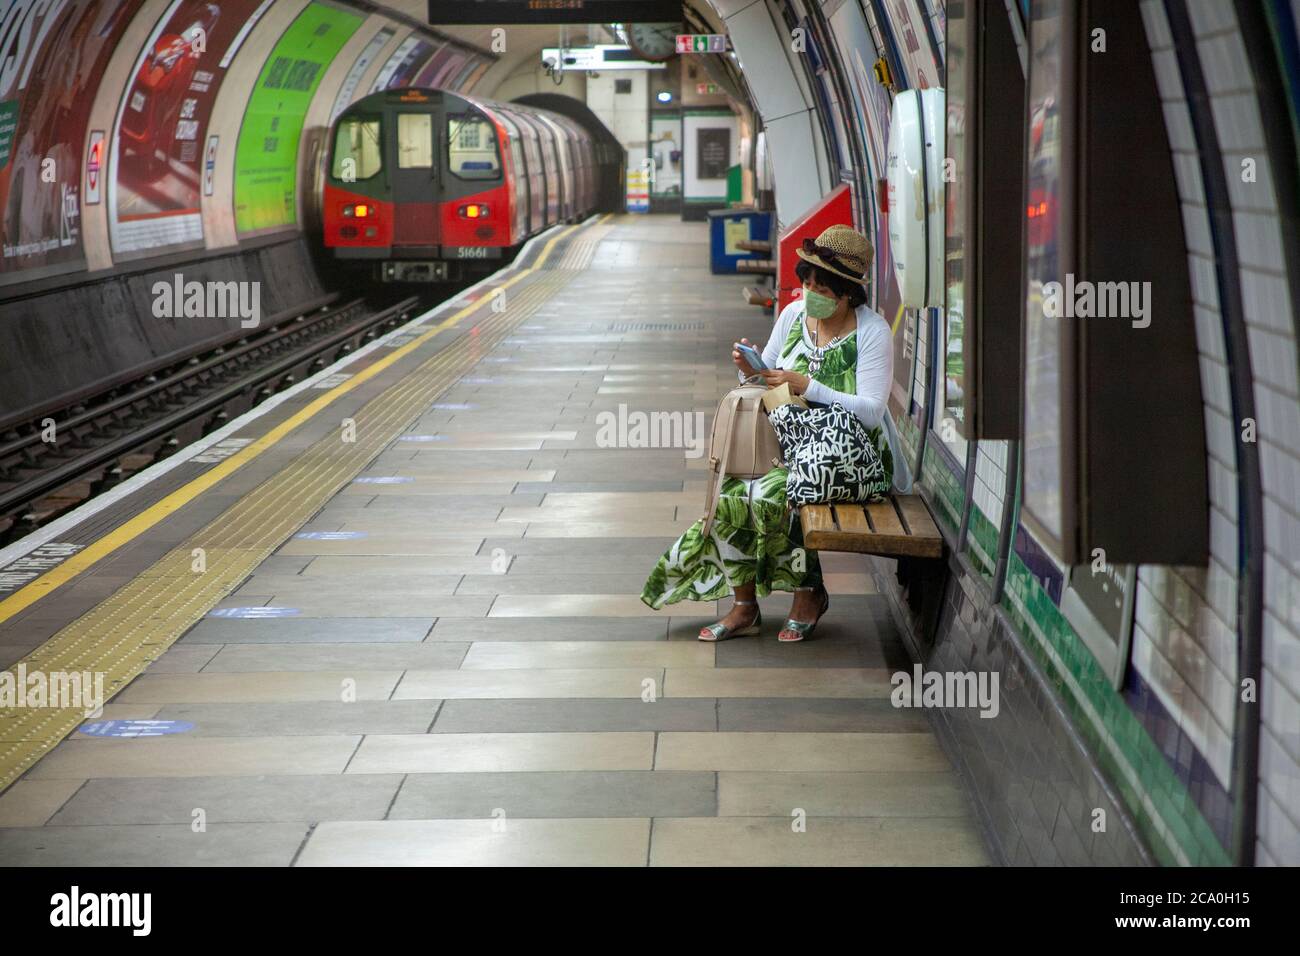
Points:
x=759, y=266
x=898, y=527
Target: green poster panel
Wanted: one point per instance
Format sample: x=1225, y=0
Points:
x=266, y=158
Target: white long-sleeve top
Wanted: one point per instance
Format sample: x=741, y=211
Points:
x=875, y=374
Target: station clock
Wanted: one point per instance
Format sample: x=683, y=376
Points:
x=653, y=41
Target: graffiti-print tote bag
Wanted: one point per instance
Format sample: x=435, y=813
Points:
x=829, y=454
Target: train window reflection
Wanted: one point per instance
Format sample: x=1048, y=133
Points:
x=415, y=140
x=357, y=153
x=472, y=146
x=950, y=410
x=1045, y=440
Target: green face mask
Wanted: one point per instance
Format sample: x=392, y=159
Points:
x=819, y=306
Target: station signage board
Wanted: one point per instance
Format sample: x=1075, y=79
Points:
x=701, y=43
x=504, y=12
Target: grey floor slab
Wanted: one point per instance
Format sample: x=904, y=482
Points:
x=251, y=658
x=794, y=715
x=589, y=794
x=266, y=799
x=223, y=844
x=830, y=646
x=549, y=629
x=499, y=842
x=898, y=794
x=348, y=630
x=574, y=486
x=306, y=718
x=633, y=567
x=560, y=581
x=573, y=715
x=580, y=546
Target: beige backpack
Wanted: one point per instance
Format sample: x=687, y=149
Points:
x=743, y=444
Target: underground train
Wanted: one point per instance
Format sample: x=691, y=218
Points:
x=428, y=185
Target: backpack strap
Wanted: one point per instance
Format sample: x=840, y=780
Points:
x=715, y=479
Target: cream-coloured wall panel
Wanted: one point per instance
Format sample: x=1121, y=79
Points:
x=103, y=113
x=228, y=115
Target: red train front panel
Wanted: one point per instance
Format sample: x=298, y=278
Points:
x=422, y=182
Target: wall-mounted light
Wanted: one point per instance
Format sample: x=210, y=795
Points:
x=664, y=96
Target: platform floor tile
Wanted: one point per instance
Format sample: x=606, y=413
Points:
x=773, y=841
x=496, y=842
x=475, y=753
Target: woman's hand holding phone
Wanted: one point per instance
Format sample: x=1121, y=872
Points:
x=739, y=359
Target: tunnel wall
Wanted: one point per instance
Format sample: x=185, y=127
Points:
x=1161, y=754
x=208, y=163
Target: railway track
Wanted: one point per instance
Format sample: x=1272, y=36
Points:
x=57, y=459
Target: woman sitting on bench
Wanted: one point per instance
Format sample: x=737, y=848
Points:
x=829, y=347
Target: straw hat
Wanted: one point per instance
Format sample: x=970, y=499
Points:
x=841, y=250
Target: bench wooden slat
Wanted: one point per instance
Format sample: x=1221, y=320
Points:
x=852, y=518
x=885, y=518
x=899, y=527
x=817, y=519
x=917, y=515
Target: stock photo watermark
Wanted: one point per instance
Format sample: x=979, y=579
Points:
x=946, y=689
x=179, y=299
x=75, y=908
x=1098, y=300
x=61, y=690
x=638, y=429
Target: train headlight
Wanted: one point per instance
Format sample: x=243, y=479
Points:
x=474, y=210
x=358, y=210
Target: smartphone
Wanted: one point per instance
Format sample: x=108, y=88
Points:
x=750, y=355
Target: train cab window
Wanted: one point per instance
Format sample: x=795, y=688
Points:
x=415, y=140
x=357, y=150
x=472, y=146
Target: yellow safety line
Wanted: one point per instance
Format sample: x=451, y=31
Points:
x=56, y=577
x=119, y=638
x=898, y=318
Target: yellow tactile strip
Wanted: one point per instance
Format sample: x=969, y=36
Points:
x=122, y=635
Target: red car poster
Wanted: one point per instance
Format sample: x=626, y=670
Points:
x=160, y=140
x=52, y=54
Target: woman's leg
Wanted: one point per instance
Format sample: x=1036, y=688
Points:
x=743, y=613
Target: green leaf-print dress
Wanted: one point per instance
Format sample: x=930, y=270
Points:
x=756, y=539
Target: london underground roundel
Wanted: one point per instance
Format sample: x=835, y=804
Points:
x=916, y=191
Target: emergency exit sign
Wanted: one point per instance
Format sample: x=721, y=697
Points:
x=701, y=43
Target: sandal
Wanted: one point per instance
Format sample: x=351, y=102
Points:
x=720, y=631
x=798, y=630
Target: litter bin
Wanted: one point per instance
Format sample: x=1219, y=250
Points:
x=727, y=228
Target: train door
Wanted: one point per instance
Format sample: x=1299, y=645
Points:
x=564, y=164
x=518, y=174
x=415, y=178
x=554, y=182
x=538, y=170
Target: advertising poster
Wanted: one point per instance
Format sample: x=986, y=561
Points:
x=402, y=65
x=908, y=26
x=266, y=158
x=163, y=119
x=52, y=53
x=445, y=62
x=349, y=87
x=871, y=106
x=478, y=68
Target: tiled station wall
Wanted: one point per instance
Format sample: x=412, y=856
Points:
x=1155, y=756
